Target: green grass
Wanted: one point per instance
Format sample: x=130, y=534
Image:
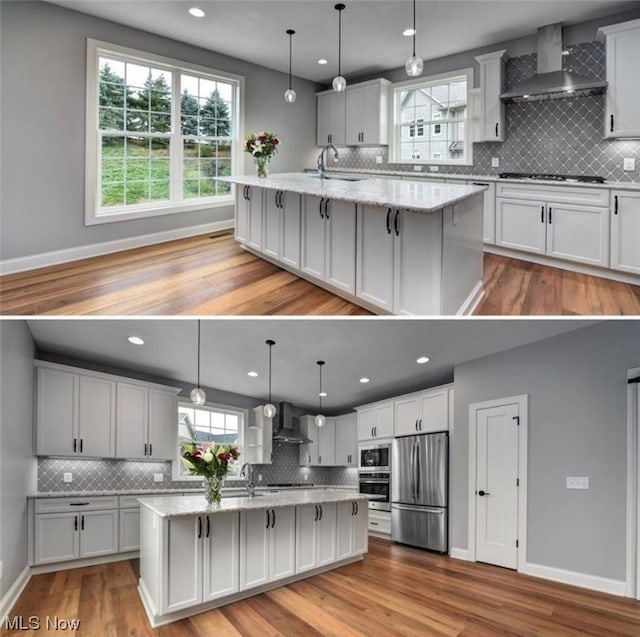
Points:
x=144, y=175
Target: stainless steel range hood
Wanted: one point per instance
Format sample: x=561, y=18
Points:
x=550, y=81
x=285, y=426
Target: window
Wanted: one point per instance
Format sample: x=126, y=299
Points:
x=206, y=424
x=429, y=120
x=158, y=133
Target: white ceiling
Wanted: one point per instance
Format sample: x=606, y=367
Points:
x=384, y=350
x=372, y=29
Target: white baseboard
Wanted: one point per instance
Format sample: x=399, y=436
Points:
x=9, y=600
x=593, y=582
x=87, y=561
x=56, y=257
x=460, y=554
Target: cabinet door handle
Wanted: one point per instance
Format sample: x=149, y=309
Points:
x=319, y=459
x=611, y=123
x=362, y=140
x=353, y=507
x=320, y=518
x=615, y=205
x=75, y=522
x=395, y=223
x=416, y=425
x=199, y=527
x=320, y=208
x=309, y=459
x=357, y=508
x=81, y=444
x=145, y=448
x=477, y=183
x=329, y=138
x=150, y=449
x=372, y=432
x=388, y=219
x=326, y=209
x=248, y=193
x=316, y=518
x=268, y=519
x=82, y=523
x=541, y=214
x=273, y=521
x=75, y=445
x=550, y=213
x=79, y=504
x=420, y=424
x=208, y=526
x=497, y=128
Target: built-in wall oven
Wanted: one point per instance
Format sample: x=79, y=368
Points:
x=374, y=469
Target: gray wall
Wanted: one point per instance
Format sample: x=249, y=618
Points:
x=17, y=464
x=42, y=125
x=576, y=385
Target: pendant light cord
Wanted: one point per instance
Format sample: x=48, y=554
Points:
x=270, y=346
x=414, y=28
x=339, y=59
x=198, y=352
x=320, y=364
x=290, y=32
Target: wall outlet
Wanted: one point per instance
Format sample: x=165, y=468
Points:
x=434, y=169
x=495, y=162
x=577, y=483
x=67, y=477
x=378, y=159
x=259, y=477
x=628, y=163
x=158, y=477
x=417, y=169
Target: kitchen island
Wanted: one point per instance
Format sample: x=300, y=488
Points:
x=194, y=557
x=393, y=246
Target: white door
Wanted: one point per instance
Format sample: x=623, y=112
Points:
x=129, y=536
x=272, y=224
x=97, y=417
x=327, y=443
x=221, y=568
x=306, y=536
x=255, y=219
x=98, y=533
x=57, y=413
x=56, y=537
x=132, y=421
x=340, y=269
x=375, y=246
x=313, y=237
x=578, y=233
x=521, y=225
x=183, y=563
x=163, y=424
x=625, y=231
x=354, y=115
x=254, y=548
x=326, y=533
x=290, y=229
x=345, y=512
x=282, y=543
x=406, y=416
x=496, y=485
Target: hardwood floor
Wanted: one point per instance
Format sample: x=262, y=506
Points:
x=395, y=591
x=211, y=274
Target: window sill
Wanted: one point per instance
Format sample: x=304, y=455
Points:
x=122, y=214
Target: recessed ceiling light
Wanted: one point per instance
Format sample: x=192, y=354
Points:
x=409, y=32
x=322, y=61
x=322, y=394
x=252, y=374
x=136, y=340
x=422, y=360
x=364, y=379
x=196, y=13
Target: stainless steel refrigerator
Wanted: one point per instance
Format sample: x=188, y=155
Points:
x=420, y=491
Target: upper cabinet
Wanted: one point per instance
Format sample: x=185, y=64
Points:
x=87, y=414
x=622, y=115
x=367, y=113
x=491, y=125
x=375, y=421
x=258, y=444
x=331, y=118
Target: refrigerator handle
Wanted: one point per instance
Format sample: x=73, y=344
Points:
x=418, y=469
x=413, y=469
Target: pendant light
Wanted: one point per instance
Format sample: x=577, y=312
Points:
x=269, y=410
x=290, y=94
x=339, y=83
x=414, y=65
x=198, y=397
x=320, y=420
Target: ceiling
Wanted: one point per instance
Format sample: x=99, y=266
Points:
x=383, y=350
x=372, y=29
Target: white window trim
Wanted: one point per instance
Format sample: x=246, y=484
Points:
x=176, y=476
x=92, y=178
x=393, y=118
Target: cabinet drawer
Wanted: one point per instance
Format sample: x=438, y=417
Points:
x=65, y=505
x=380, y=521
x=131, y=501
x=560, y=194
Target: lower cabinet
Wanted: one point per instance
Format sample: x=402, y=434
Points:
x=315, y=536
x=625, y=231
x=129, y=536
x=282, y=226
x=351, y=529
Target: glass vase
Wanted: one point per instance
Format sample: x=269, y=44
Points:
x=262, y=166
x=213, y=490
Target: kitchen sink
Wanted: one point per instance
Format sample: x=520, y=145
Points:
x=342, y=177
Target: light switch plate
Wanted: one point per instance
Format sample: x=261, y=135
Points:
x=67, y=477
x=378, y=159
x=628, y=163
x=577, y=483
x=495, y=162
x=158, y=477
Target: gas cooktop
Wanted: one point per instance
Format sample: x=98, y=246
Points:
x=585, y=179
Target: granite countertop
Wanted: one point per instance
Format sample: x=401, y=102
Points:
x=168, y=507
x=387, y=193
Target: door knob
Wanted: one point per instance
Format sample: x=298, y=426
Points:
x=483, y=492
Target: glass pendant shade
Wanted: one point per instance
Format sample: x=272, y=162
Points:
x=413, y=66
x=290, y=96
x=198, y=396
x=320, y=420
x=269, y=410
x=339, y=84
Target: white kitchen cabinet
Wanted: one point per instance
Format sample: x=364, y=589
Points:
x=346, y=448
x=379, y=522
x=75, y=413
x=367, y=113
x=146, y=422
x=622, y=115
x=315, y=538
x=258, y=443
x=625, y=231
x=521, y=225
x=320, y=452
x=329, y=241
x=375, y=421
x=492, y=128
x=281, y=226
x=489, y=214
x=351, y=529
x=255, y=224
x=267, y=545
x=98, y=533
x=244, y=202
x=221, y=555
x=398, y=260
x=327, y=443
x=129, y=532
x=272, y=218
x=406, y=415
x=424, y=412
x=331, y=118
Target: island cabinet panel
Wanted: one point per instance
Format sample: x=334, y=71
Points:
x=255, y=224
x=254, y=548
x=315, y=535
x=313, y=237
x=327, y=533
x=290, y=253
x=352, y=529
x=221, y=555
x=282, y=554
x=243, y=205
x=183, y=568
x=272, y=224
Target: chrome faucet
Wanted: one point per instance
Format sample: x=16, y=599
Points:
x=320, y=162
x=247, y=473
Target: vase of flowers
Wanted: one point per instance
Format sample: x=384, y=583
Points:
x=262, y=147
x=212, y=462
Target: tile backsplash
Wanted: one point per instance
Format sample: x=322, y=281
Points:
x=107, y=475
x=556, y=136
